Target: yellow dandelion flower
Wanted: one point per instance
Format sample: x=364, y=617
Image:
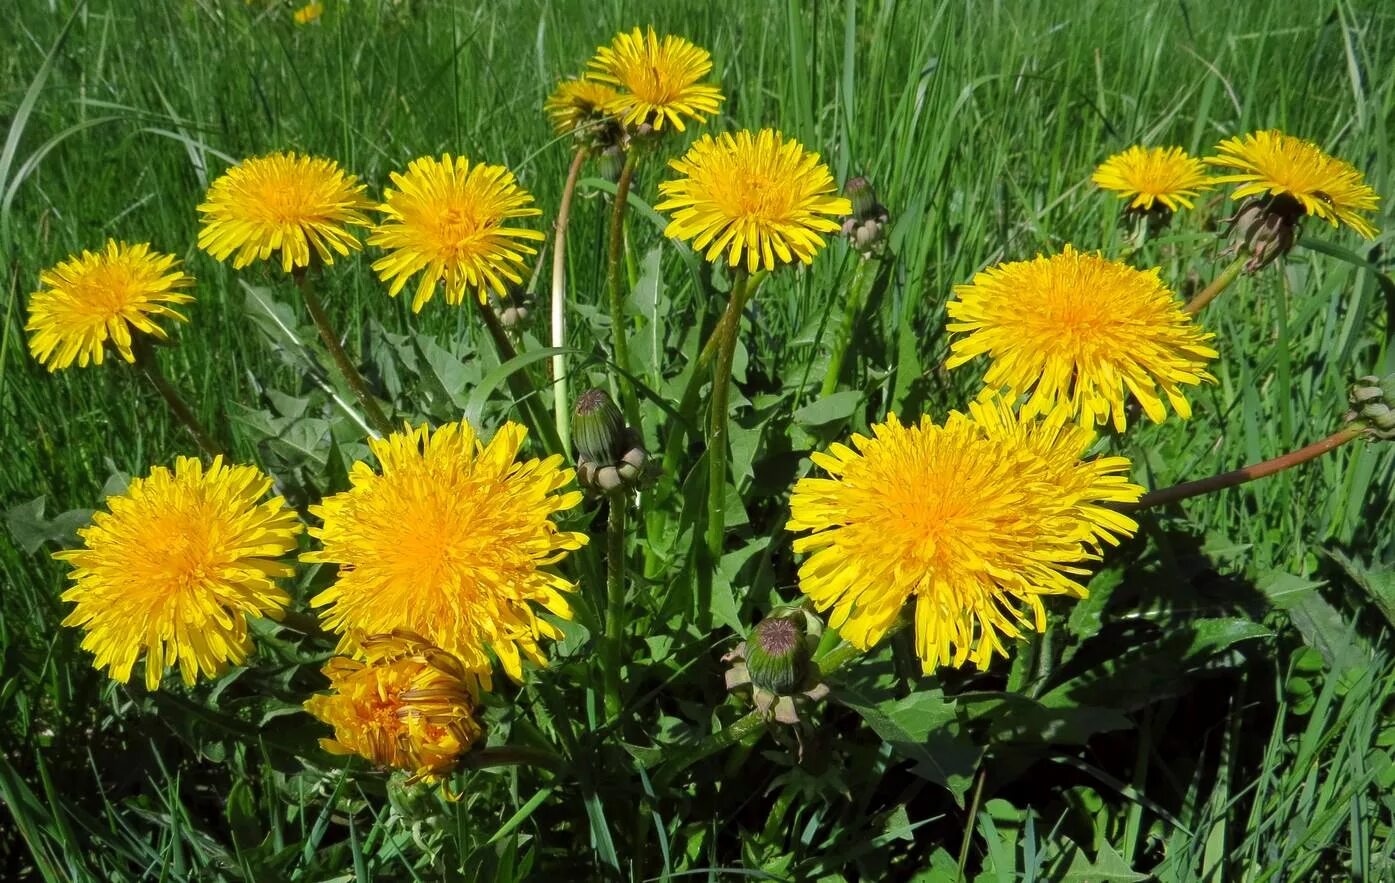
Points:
x=975, y=520
x=762, y=198
x=449, y=539
x=446, y=220
x=1148, y=175
x=575, y=103
x=282, y=202
x=408, y=705
x=657, y=79
x=309, y=12
x=175, y=568
x=91, y=299
x=1081, y=330
x=1273, y=164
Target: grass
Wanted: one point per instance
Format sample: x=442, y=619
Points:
x=1158, y=737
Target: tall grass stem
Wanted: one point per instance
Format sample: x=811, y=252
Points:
x=561, y=402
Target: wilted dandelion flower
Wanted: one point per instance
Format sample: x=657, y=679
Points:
x=762, y=198
x=449, y=539
x=1272, y=164
x=577, y=102
x=1081, y=330
x=282, y=202
x=176, y=567
x=657, y=79
x=93, y=298
x=1149, y=175
x=309, y=12
x=408, y=705
x=973, y=521
x=446, y=220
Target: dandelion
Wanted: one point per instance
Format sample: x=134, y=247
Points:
x=309, y=12
x=95, y=298
x=282, y=202
x=446, y=220
x=761, y=198
x=975, y=521
x=449, y=538
x=175, y=568
x=1150, y=175
x=577, y=103
x=1081, y=330
x=657, y=79
x=408, y=705
x=1281, y=168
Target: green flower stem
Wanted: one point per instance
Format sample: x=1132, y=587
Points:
x=561, y=402
x=621, y=347
x=519, y=385
x=512, y=755
x=350, y=374
x=145, y=361
x=728, y=329
x=1188, y=489
x=614, y=601
x=1219, y=284
x=857, y=292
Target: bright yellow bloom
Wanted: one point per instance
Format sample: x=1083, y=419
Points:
x=449, y=539
x=575, y=103
x=1147, y=175
x=91, y=299
x=1271, y=163
x=282, y=202
x=175, y=569
x=657, y=79
x=975, y=521
x=409, y=706
x=446, y=221
x=1080, y=330
x=309, y=12
x=761, y=198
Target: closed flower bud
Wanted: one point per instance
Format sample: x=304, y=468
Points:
x=1371, y=399
x=598, y=428
x=859, y=192
x=866, y=226
x=612, y=162
x=1265, y=228
x=777, y=655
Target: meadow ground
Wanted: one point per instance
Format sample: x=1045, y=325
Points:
x=1219, y=708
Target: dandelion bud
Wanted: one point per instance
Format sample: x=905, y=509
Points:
x=775, y=664
x=777, y=655
x=866, y=226
x=598, y=427
x=609, y=455
x=1370, y=399
x=612, y=162
x=1265, y=228
x=864, y=199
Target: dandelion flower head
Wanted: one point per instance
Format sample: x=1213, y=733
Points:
x=972, y=523
x=175, y=568
x=286, y=203
x=93, y=299
x=1150, y=175
x=1080, y=329
x=407, y=705
x=447, y=220
x=657, y=79
x=1271, y=163
x=449, y=538
x=760, y=198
